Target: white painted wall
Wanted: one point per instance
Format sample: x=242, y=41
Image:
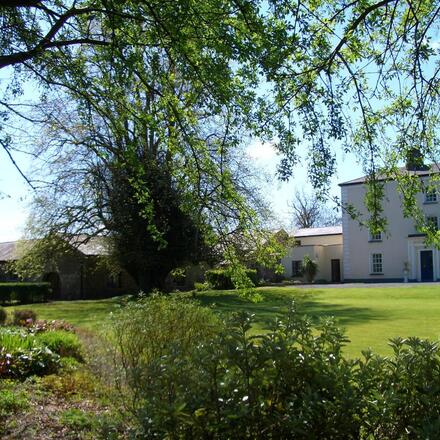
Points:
x=321, y=240
x=396, y=247
x=322, y=254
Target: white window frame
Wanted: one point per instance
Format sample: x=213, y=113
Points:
x=375, y=263
x=431, y=196
x=375, y=237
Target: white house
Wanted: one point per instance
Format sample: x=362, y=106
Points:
x=386, y=257
x=351, y=254
x=324, y=245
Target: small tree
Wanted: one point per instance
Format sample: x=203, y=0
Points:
x=309, y=268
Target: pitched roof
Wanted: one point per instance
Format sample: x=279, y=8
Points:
x=8, y=251
x=310, y=232
x=431, y=169
x=89, y=246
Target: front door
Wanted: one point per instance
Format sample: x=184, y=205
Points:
x=426, y=266
x=336, y=271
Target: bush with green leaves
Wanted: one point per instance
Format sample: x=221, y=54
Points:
x=24, y=353
x=221, y=279
x=309, y=268
x=64, y=343
x=24, y=293
x=201, y=287
x=292, y=382
x=145, y=330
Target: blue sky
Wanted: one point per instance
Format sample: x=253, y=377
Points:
x=16, y=194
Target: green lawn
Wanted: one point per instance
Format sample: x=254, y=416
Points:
x=89, y=314
x=370, y=315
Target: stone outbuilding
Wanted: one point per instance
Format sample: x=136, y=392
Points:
x=78, y=274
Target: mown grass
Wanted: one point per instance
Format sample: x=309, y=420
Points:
x=370, y=315
x=87, y=314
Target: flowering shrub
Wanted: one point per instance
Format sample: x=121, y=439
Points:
x=41, y=325
x=25, y=318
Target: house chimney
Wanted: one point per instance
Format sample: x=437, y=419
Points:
x=414, y=160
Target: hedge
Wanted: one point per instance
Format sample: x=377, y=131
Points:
x=24, y=293
x=220, y=279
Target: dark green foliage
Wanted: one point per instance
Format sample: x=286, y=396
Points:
x=66, y=344
x=24, y=317
x=150, y=244
x=22, y=363
x=3, y=315
x=24, y=293
x=220, y=279
x=293, y=382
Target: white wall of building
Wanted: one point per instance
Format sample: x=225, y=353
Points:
x=322, y=254
x=397, y=245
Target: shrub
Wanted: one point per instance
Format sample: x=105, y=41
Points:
x=78, y=420
x=24, y=318
x=145, y=331
x=66, y=344
x=24, y=293
x=22, y=355
x=3, y=316
x=27, y=362
x=293, y=382
x=309, y=268
x=220, y=279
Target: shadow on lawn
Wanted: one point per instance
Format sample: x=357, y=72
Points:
x=276, y=305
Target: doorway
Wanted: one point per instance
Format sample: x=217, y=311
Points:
x=336, y=271
x=426, y=266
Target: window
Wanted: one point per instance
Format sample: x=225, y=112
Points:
x=296, y=268
x=432, y=221
x=376, y=264
x=375, y=237
x=431, y=195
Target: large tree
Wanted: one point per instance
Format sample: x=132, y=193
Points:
x=361, y=75
x=151, y=164
x=160, y=104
